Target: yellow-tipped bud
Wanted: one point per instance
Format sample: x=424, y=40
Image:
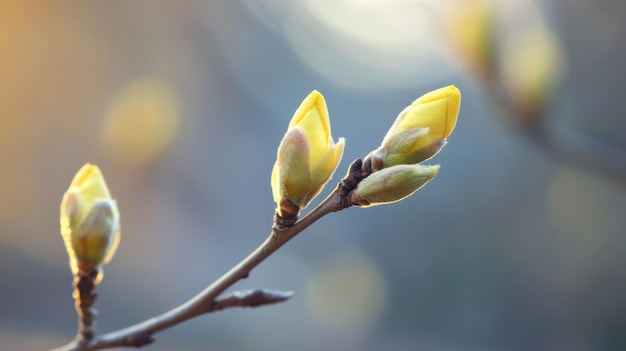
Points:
x=89, y=220
x=421, y=129
x=392, y=184
x=307, y=155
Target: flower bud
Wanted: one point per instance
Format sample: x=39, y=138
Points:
x=392, y=184
x=307, y=155
x=89, y=220
x=421, y=129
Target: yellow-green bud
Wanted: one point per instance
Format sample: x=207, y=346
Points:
x=421, y=129
x=89, y=220
x=392, y=184
x=307, y=155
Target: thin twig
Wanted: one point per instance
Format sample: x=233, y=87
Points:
x=207, y=301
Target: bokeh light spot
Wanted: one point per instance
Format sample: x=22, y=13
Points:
x=583, y=214
x=361, y=44
x=347, y=291
x=143, y=121
x=576, y=203
x=467, y=28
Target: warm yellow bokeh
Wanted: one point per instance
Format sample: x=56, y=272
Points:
x=532, y=63
x=507, y=41
x=347, y=291
x=143, y=121
x=468, y=29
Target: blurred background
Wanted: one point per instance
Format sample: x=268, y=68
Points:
x=183, y=104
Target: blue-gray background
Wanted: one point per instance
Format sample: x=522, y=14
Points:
x=182, y=105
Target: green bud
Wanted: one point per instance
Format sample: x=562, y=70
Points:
x=392, y=184
x=291, y=177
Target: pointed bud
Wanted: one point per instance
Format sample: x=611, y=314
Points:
x=392, y=184
x=89, y=220
x=421, y=129
x=307, y=155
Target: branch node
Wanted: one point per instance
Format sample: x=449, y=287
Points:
x=356, y=172
x=286, y=215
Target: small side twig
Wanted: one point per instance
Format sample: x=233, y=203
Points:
x=250, y=298
x=208, y=300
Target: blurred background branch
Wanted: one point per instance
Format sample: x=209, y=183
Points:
x=522, y=64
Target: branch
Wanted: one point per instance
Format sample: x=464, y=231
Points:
x=85, y=295
x=207, y=301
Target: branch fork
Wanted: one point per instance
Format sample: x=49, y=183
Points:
x=286, y=226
